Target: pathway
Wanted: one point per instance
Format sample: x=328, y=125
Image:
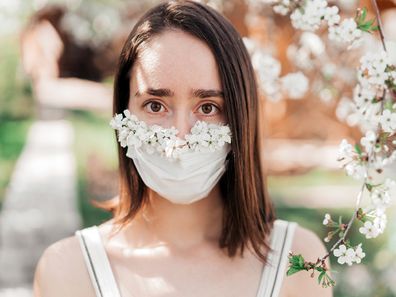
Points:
x=40, y=204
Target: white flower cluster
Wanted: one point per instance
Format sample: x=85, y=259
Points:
x=373, y=71
x=355, y=165
x=380, y=199
x=154, y=138
x=309, y=16
x=295, y=84
x=372, y=107
x=346, y=33
x=307, y=51
x=349, y=255
x=268, y=69
x=375, y=75
x=282, y=6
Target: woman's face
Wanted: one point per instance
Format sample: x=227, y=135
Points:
x=175, y=82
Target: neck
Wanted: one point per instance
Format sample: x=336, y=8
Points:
x=180, y=226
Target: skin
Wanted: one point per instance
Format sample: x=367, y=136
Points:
x=171, y=249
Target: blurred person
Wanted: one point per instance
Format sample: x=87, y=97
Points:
x=189, y=220
x=63, y=73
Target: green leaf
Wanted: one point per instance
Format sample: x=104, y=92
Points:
x=319, y=268
x=369, y=186
x=297, y=261
x=369, y=23
x=293, y=270
x=364, y=14
x=301, y=261
x=358, y=149
x=321, y=275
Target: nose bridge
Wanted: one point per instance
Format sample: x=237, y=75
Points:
x=182, y=122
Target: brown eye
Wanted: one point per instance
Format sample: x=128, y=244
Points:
x=207, y=108
x=154, y=106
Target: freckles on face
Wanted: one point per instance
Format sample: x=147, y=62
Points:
x=177, y=63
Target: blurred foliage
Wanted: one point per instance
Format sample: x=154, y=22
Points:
x=16, y=109
x=16, y=99
x=92, y=134
x=12, y=140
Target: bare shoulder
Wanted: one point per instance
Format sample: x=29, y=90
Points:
x=61, y=271
x=311, y=247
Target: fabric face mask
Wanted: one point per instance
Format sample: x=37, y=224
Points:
x=181, y=170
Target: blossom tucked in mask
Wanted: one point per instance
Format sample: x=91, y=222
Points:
x=181, y=170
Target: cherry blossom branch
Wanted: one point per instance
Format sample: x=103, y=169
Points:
x=349, y=225
x=375, y=75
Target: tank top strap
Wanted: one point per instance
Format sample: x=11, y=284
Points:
x=274, y=272
x=97, y=262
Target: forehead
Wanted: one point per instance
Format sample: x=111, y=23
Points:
x=177, y=60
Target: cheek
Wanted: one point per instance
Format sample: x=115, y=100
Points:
x=135, y=108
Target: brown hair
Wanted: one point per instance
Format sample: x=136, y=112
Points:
x=248, y=212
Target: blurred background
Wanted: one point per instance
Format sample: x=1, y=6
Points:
x=58, y=153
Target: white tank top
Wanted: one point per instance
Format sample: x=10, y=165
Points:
x=105, y=285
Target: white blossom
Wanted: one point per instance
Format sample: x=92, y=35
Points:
x=331, y=16
x=388, y=121
x=372, y=71
x=346, y=32
x=344, y=254
x=345, y=150
x=356, y=170
x=370, y=230
x=282, y=7
x=309, y=17
x=380, y=197
x=268, y=70
x=380, y=221
x=327, y=219
x=295, y=85
x=368, y=141
x=363, y=97
x=359, y=254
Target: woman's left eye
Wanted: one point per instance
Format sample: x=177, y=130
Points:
x=208, y=109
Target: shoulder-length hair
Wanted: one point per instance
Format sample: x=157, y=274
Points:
x=248, y=212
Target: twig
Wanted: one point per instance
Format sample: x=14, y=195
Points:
x=380, y=26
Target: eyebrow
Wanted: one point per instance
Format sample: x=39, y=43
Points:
x=200, y=93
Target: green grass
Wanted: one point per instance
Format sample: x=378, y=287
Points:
x=12, y=140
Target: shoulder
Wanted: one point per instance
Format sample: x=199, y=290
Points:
x=307, y=242
x=61, y=271
x=311, y=247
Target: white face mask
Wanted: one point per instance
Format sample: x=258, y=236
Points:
x=182, y=171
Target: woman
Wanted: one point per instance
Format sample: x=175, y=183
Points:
x=193, y=218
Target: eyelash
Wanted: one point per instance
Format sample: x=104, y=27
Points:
x=206, y=103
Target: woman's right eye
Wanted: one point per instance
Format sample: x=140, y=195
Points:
x=154, y=107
